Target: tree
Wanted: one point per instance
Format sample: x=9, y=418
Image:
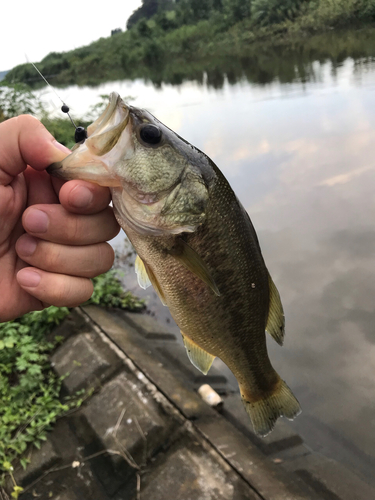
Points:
x=266, y=12
x=236, y=10
x=148, y=9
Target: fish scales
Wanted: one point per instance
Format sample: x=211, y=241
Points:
x=195, y=244
x=236, y=265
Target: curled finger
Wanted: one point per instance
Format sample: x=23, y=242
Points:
x=54, y=223
x=27, y=142
x=55, y=289
x=83, y=197
x=84, y=261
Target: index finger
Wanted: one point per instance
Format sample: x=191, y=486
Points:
x=25, y=141
x=81, y=197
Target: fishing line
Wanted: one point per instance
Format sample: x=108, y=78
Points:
x=80, y=133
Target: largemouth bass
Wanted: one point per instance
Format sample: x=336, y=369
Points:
x=196, y=245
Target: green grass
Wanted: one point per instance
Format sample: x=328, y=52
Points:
x=30, y=391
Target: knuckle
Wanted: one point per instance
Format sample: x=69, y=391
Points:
x=82, y=293
x=60, y=292
x=75, y=230
x=27, y=120
x=115, y=228
x=111, y=255
x=99, y=260
x=53, y=258
x=106, y=257
x=89, y=288
x=71, y=291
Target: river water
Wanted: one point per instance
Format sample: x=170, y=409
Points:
x=299, y=152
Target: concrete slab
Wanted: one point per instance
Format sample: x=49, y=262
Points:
x=190, y=473
x=148, y=326
x=127, y=419
x=269, y=480
x=330, y=479
x=87, y=361
x=41, y=461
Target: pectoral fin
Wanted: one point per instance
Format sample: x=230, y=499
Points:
x=276, y=320
x=154, y=283
x=200, y=358
x=192, y=261
x=140, y=270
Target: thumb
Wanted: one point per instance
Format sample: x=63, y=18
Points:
x=25, y=141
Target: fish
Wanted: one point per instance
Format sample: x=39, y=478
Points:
x=195, y=244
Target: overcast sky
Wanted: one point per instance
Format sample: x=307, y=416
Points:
x=39, y=27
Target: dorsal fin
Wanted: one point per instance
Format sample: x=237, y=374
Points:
x=194, y=263
x=200, y=358
x=276, y=320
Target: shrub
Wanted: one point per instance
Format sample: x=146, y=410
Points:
x=265, y=12
x=17, y=99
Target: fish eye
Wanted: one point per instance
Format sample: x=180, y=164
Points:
x=150, y=134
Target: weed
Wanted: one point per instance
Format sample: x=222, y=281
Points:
x=30, y=401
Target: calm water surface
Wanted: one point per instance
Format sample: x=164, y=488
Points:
x=301, y=158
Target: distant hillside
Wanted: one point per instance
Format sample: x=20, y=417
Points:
x=2, y=74
x=167, y=38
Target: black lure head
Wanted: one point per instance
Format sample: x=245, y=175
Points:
x=80, y=134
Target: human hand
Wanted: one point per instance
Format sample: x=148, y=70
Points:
x=65, y=242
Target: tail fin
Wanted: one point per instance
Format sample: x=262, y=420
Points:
x=265, y=412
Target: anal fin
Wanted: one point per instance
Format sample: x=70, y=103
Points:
x=201, y=359
x=276, y=320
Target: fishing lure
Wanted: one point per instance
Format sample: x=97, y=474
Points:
x=80, y=134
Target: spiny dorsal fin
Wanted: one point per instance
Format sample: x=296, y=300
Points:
x=192, y=261
x=200, y=358
x=276, y=320
x=142, y=276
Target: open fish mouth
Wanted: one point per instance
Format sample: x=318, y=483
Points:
x=115, y=114
x=107, y=137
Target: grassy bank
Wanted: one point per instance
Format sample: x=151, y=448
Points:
x=30, y=391
x=171, y=51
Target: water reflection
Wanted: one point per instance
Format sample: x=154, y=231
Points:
x=316, y=227
x=299, y=153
